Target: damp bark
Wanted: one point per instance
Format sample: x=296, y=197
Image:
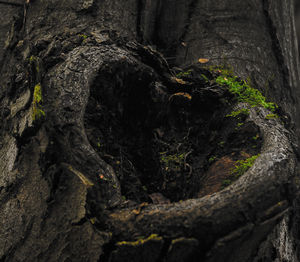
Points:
x=133, y=155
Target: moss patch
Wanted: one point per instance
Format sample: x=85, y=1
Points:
x=183, y=74
x=271, y=116
x=37, y=110
x=174, y=161
x=237, y=113
x=245, y=93
x=241, y=166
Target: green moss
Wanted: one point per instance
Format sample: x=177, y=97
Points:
x=32, y=59
x=241, y=166
x=35, y=60
x=93, y=220
x=183, y=74
x=98, y=143
x=271, y=116
x=37, y=111
x=83, y=36
x=212, y=159
x=178, y=158
x=239, y=124
x=240, y=88
x=172, y=162
x=139, y=242
x=244, y=92
x=221, y=144
x=237, y=113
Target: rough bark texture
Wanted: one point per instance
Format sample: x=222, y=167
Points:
x=90, y=114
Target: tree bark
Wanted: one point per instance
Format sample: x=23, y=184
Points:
x=102, y=100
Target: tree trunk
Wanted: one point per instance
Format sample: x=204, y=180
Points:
x=123, y=138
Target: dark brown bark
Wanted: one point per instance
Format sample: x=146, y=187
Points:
x=60, y=194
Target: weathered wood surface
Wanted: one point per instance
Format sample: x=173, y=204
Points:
x=60, y=201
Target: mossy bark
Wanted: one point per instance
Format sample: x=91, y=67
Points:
x=113, y=106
